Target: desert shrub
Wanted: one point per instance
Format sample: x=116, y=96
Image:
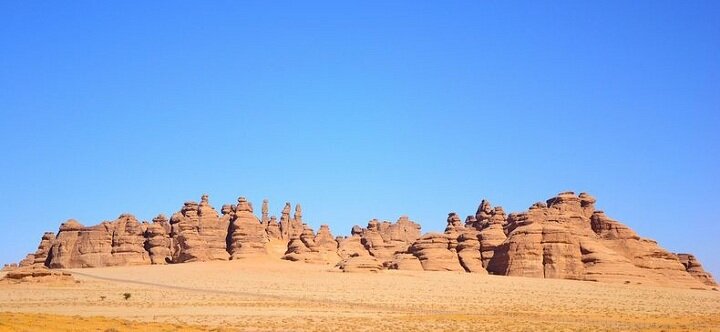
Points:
x=127, y=296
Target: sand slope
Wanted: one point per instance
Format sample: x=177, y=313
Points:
x=274, y=295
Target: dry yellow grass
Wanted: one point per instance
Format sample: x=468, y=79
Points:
x=274, y=295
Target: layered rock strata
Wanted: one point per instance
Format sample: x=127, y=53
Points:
x=565, y=237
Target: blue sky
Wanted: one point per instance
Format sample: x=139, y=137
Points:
x=360, y=110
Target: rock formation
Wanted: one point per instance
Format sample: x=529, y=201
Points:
x=358, y=263
x=247, y=234
x=696, y=270
x=43, y=250
x=308, y=247
x=272, y=228
x=9, y=267
x=564, y=237
x=383, y=240
x=198, y=233
x=157, y=240
x=37, y=274
x=291, y=228
x=567, y=238
x=111, y=243
x=436, y=252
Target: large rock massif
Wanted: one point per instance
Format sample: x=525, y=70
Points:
x=564, y=238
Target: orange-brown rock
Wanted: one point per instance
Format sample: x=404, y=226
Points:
x=351, y=246
x=360, y=263
x=111, y=243
x=564, y=239
x=324, y=239
x=272, y=228
x=43, y=250
x=265, y=212
x=247, y=235
x=37, y=274
x=291, y=228
x=693, y=266
x=9, y=267
x=310, y=248
x=492, y=231
x=468, y=252
x=436, y=252
x=454, y=223
x=384, y=240
x=405, y=261
x=157, y=240
x=213, y=230
x=198, y=233
x=27, y=261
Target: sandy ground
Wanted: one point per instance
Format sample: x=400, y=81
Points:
x=275, y=295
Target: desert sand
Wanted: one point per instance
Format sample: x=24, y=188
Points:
x=267, y=294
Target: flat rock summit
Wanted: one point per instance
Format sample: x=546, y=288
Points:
x=564, y=237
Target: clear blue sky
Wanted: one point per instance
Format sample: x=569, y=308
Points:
x=360, y=110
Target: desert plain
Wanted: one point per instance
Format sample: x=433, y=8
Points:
x=269, y=294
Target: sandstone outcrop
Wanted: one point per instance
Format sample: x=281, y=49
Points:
x=383, y=240
x=564, y=237
x=405, y=261
x=37, y=274
x=157, y=240
x=247, y=234
x=43, y=250
x=567, y=238
x=436, y=252
x=358, y=263
x=198, y=233
x=310, y=248
x=351, y=246
x=9, y=267
x=111, y=243
x=27, y=261
x=693, y=266
x=272, y=228
x=291, y=228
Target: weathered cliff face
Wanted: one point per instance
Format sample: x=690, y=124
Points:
x=564, y=237
x=114, y=243
x=567, y=238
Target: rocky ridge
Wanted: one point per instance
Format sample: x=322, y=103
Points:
x=564, y=237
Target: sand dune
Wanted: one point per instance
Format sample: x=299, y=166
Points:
x=273, y=295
